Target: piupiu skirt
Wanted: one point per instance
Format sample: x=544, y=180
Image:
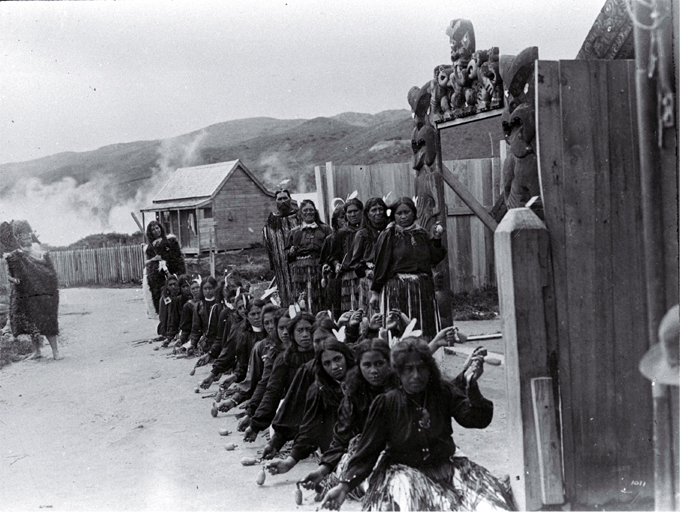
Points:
x=456, y=484
x=306, y=277
x=349, y=292
x=413, y=295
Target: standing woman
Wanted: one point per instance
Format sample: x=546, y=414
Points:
x=404, y=257
x=342, y=255
x=163, y=256
x=331, y=284
x=34, y=293
x=412, y=424
x=303, y=250
x=363, y=247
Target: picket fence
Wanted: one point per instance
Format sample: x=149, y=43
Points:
x=107, y=265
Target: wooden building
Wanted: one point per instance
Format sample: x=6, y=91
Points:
x=222, y=206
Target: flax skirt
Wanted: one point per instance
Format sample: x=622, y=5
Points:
x=306, y=277
x=413, y=295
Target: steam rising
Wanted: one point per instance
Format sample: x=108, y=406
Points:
x=65, y=211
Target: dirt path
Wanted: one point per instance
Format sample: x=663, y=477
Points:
x=116, y=426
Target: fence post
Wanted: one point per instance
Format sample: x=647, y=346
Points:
x=525, y=292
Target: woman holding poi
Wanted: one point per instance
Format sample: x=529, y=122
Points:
x=404, y=257
x=163, y=256
x=34, y=293
x=303, y=250
x=419, y=469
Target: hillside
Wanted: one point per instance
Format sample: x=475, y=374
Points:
x=100, y=188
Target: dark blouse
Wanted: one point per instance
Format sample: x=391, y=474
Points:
x=254, y=374
x=170, y=251
x=283, y=371
x=405, y=252
x=206, y=314
x=363, y=250
x=321, y=413
x=342, y=247
x=186, y=320
x=288, y=417
x=274, y=348
x=307, y=241
x=227, y=323
x=235, y=352
x=394, y=424
x=169, y=314
x=352, y=414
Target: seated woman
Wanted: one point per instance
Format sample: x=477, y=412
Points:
x=258, y=358
x=371, y=377
x=169, y=293
x=174, y=313
x=186, y=319
x=231, y=317
x=274, y=349
x=290, y=413
x=404, y=257
x=419, y=469
x=206, y=313
x=303, y=250
x=286, y=365
x=237, y=352
x=332, y=362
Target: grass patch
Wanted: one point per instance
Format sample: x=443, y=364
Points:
x=479, y=304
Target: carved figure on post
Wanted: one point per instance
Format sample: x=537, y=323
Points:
x=520, y=170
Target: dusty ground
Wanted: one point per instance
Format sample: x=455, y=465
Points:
x=117, y=426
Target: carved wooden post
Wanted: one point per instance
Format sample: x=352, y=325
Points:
x=446, y=309
x=523, y=273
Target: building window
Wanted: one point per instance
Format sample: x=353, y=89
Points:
x=207, y=213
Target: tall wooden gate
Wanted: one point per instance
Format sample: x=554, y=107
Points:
x=574, y=297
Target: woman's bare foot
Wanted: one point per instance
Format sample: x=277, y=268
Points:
x=56, y=355
x=34, y=355
x=55, y=349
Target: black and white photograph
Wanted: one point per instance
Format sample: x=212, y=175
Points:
x=339, y=255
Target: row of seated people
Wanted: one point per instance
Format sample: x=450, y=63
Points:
x=361, y=392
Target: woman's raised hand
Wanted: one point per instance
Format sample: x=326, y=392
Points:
x=437, y=230
x=474, y=366
x=375, y=300
x=356, y=318
x=376, y=321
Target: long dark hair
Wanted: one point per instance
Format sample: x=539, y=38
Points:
x=328, y=386
x=367, y=208
x=338, y=213
x=356, y=202
x=257, y=303
x=213, y=282
x=407, y=201
x=149, y=237
x=356, y=387
x=418, y=346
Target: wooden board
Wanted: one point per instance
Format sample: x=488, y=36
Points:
x=548, y=441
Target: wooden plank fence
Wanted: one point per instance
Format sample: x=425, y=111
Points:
x=470, y=243
x=107, y=265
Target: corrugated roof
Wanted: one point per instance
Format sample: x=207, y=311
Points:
x=177, y=204
x=195, y=182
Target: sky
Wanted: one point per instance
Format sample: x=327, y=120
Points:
x=76, y=76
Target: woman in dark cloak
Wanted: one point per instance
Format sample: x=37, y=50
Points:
x=163, y=256
x=34, y=293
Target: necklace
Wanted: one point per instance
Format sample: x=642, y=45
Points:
x=424, y=420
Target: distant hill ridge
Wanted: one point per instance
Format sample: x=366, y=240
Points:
x=274, y=149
